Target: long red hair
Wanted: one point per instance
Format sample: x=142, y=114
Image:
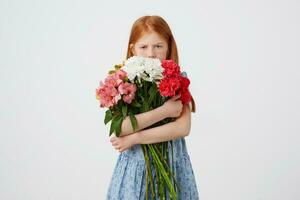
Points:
x=157, y=24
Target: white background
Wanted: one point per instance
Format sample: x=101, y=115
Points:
x=243, y=61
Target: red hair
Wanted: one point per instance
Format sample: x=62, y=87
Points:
x=157, y=24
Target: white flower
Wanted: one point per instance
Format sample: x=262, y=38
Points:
x=149, y=69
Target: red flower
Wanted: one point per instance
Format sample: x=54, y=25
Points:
x=173, y=82
x=185, y=96
x=185, y=82
x=170, y=68
x=169, y=86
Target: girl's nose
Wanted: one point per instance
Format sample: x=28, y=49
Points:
x=151, y=53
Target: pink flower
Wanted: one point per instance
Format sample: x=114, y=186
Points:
x=116, y=78
x=107, y=94
x=114, y=88
x=112, y=80
x=128, y=90
x=121, y=74
x=128, y=98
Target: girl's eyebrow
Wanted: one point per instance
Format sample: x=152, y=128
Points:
x=143, y=44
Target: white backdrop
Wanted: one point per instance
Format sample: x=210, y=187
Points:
x=241, y=57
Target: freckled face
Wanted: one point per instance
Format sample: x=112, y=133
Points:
x=151, y=45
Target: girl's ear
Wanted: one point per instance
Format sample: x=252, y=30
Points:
x=131, y=48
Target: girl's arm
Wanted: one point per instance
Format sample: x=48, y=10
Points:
x=170, y=131
x=143, y=120
x=171, y=108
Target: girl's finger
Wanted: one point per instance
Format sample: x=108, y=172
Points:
x=114, y=144
x=176, y=97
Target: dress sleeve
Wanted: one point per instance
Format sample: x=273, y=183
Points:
x=183, y=73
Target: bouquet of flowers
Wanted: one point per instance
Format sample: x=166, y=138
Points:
x=139, y=85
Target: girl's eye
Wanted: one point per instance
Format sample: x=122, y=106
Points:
x=143, y=47
x=158, y=46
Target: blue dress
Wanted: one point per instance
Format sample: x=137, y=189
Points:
x=128, y=181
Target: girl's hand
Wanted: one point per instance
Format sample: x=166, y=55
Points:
x=123, y=143
x=173, y=107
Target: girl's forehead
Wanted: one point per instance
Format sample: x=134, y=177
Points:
x=151, y=37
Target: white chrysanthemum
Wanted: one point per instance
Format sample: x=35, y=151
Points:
x=149, y=69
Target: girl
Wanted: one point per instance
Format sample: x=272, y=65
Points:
x=151, y=37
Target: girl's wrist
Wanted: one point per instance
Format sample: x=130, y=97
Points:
x=162, y=111
x=135, y=138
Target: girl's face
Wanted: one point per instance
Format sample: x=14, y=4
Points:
x=151, y=45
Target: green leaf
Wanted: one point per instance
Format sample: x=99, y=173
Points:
x=118, y=124
x=111, y=71
x=145, y=106
x=152, y=92
x=136, y=104
x=152, y=89
x=108, y=116
x=133, y=121
x=117, y=67
x=150, y=99
x=112, y=128
x=124, y=111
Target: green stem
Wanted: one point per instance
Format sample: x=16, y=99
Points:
x=149, y=179
x=164, y=174
x=170, y=171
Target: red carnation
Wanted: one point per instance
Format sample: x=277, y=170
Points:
x=169, y=86
x=185, y=82
x=170, y=68
x=173, y=82
x=185, y=96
